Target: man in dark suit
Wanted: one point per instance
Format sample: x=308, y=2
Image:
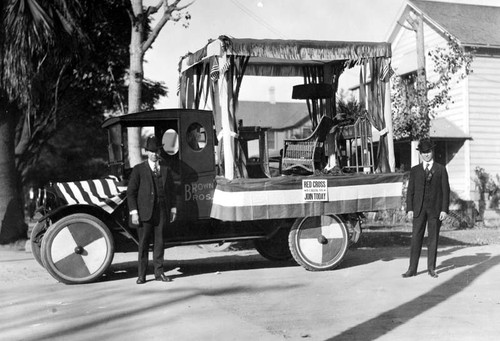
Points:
x=151, y=199
x=427, y=203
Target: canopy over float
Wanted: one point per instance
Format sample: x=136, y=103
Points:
x=212, y=76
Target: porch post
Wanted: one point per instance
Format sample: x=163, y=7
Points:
x=415, y=156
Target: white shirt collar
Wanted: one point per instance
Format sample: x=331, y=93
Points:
x=430, y=163
x=152, y=165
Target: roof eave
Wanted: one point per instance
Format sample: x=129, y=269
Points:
x=403, y=13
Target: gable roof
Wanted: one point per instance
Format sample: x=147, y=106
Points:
x=279, y=116
x=472, y=25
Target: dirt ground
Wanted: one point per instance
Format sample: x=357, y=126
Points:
x=238, y=295
x=379, y=235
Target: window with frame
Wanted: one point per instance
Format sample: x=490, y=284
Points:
x=271, y=140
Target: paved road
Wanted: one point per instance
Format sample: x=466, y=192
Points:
x=238, y=295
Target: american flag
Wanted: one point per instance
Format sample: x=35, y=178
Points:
x=387, y=72
x=105, y=193
x=214, y=72
x=225, y=67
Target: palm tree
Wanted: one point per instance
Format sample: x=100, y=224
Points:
x=30, y=30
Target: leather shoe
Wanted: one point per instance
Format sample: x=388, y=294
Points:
x=141, y=280
x=163, y=278
x=432, y=273
x=409, y=273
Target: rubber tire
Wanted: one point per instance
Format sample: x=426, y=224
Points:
x=36, y=247
x=312, y=249
x=77, y=266
x=275, y=248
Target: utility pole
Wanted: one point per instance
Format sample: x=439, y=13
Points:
x=416, y=22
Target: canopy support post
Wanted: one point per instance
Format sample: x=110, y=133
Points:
x=227, y=132
x=388, y=124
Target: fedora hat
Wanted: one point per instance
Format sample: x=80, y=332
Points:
x=425, y=146
x=152, y=144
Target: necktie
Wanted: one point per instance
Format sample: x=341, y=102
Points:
x=155, y=169
x=427, y=172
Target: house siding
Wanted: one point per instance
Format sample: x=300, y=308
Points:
x=484, y=99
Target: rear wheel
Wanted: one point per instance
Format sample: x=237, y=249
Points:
x=276, y=247
x=77, y=249
x=319, y=243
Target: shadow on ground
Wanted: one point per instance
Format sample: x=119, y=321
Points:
x=394, y=318
x=394, y=242
x=193, y=267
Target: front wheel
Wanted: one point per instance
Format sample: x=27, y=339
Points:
x=77, y=249
x=319, y=243
x=36, y=240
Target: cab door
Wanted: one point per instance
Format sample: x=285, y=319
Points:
x=197, y=160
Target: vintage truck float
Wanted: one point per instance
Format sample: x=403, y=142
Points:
x=304, y=211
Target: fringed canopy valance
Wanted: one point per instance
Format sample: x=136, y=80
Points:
x=286, y=58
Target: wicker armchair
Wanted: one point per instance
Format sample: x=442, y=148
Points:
x=308, y=154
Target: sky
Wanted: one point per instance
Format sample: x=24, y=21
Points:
x=344, y=20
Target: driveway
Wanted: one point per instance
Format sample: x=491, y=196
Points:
x=238, y=295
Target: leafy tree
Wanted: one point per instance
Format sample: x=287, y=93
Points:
x=140, y=41
x=29, y=33
x=56, y=81
x=411, y=119
x=82, y=91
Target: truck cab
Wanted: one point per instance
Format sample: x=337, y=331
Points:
x=188, y=148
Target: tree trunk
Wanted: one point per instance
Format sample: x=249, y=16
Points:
x=135, y=79
x=12, y=226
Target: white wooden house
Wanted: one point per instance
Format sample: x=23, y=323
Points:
x=285, y=119
x=467, y=131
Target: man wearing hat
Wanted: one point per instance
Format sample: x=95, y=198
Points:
x=151, y=199
x=427, y=201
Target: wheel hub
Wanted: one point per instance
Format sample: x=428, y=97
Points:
x=322, y=240
x=79, y=250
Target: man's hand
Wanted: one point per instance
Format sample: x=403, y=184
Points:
x=442, y=216
x=135, y=218
x=410, y=215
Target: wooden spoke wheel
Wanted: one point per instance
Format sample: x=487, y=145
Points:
x=36, y=241
x=77, y=249
x=319, y=243
x=275, y=248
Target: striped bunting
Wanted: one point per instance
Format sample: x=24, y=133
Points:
x=105, y=193
x=283, y=197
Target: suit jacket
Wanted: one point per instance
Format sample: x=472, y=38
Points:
x=439, y=187
x=141, y=191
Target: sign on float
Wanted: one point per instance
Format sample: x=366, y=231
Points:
x=315, y=189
